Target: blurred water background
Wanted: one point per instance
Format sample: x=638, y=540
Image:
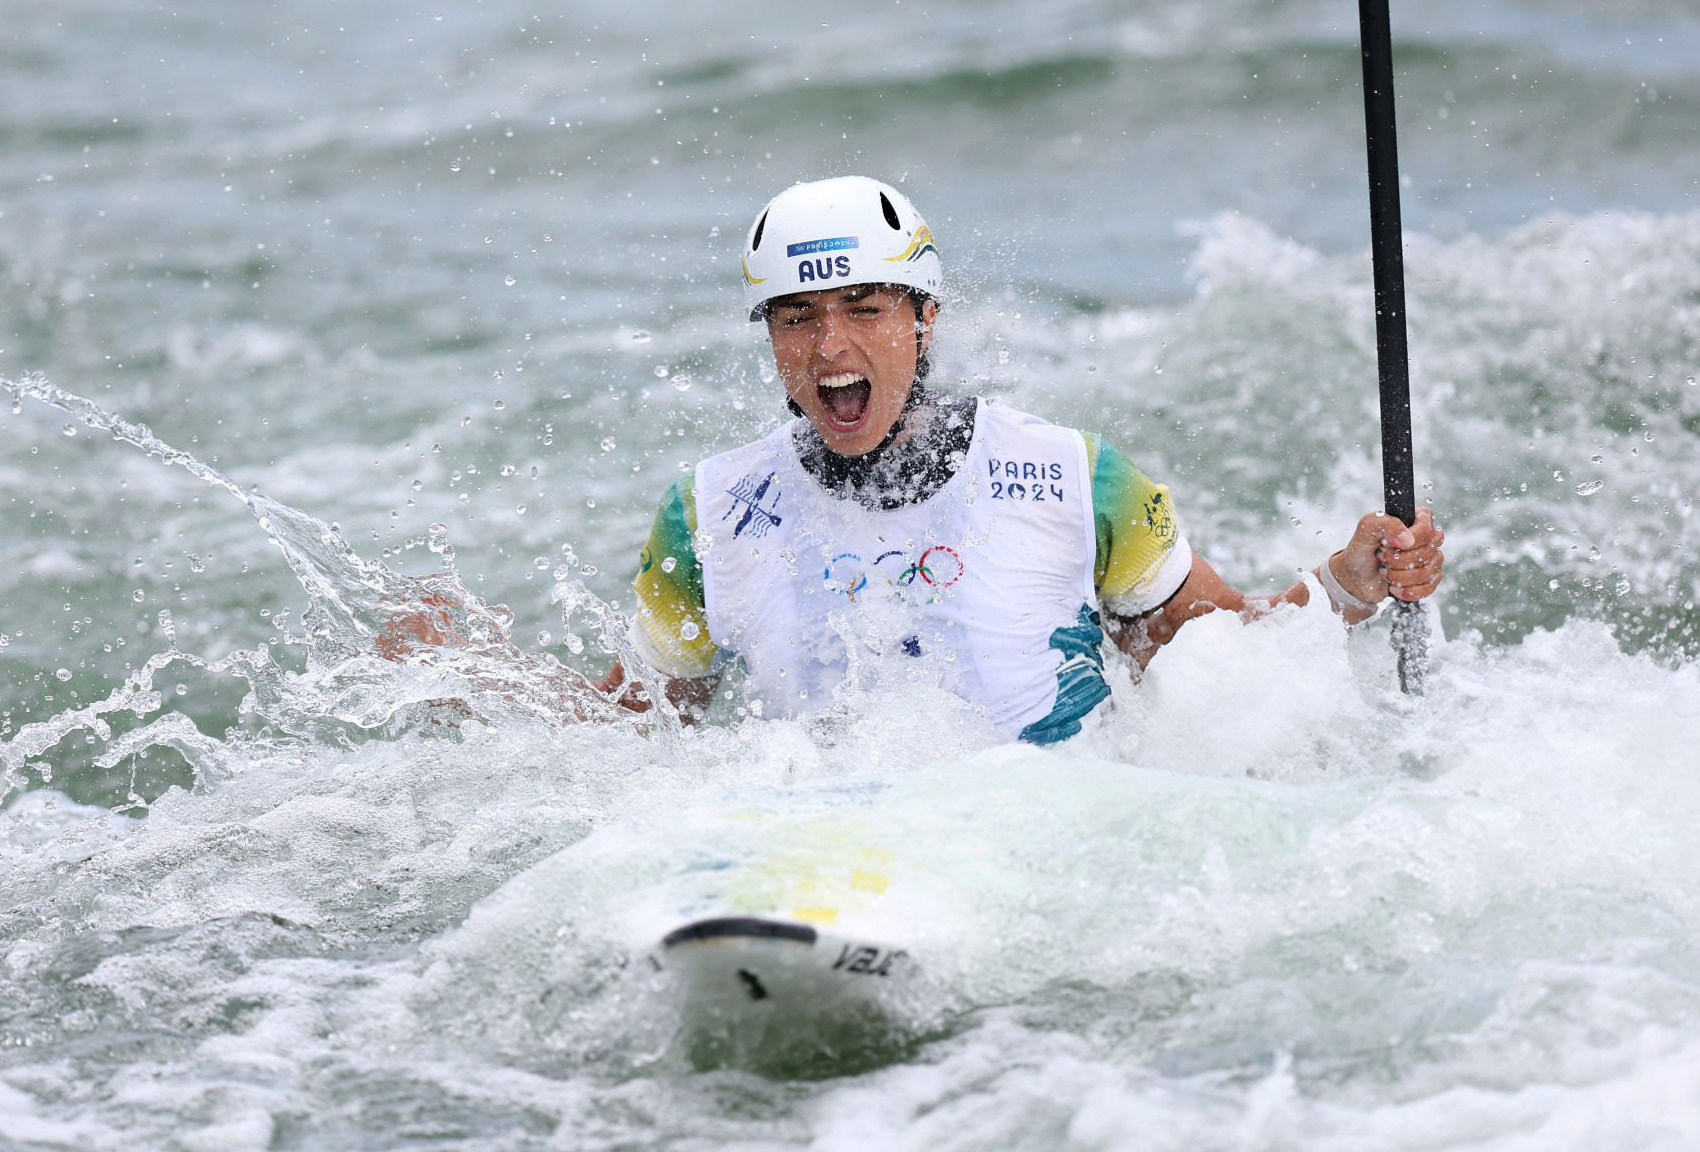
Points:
x=475, y=267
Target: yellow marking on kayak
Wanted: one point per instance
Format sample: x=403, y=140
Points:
x=864, y=881
x=821, y=870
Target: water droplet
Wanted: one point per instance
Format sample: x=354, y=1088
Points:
x=181, y=689
x=1589, y=487
x=63, y=674
x=508, y=469
x=509, y=281
x=1296, y=522
x=1622, y=585
x=683, y=382
x=1593, y=554
x=545, y=638
x=540, y=563
x=689, y=630
x=607, y=443
x=499, y=404
x=641, y=337
x=417, y=485
x=138, y=595
x=1003, y=355
x=69, y=429
x=196, y=564
x=670, y=563
x=661, y=371
x=454, y=165
x=1597, y=458
x=1648, y=437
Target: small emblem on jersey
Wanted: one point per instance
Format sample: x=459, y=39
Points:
x=756, y=504
x=1158, y=518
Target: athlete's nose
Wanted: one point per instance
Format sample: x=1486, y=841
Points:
x=834, y=338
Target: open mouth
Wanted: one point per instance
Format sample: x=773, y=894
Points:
x=844, y=395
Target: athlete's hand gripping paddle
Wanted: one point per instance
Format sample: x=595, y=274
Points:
x=1410, y=623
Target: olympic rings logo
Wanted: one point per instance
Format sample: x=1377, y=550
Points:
x=938, y=567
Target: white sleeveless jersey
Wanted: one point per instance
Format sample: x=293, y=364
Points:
x=985, y=588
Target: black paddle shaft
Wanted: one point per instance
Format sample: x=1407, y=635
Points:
x=1386, y=246
x=1410, y=625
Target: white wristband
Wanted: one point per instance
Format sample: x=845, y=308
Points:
x=1336, y=592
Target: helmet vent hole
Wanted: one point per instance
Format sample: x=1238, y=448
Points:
x=890, y=212
x=755, y=241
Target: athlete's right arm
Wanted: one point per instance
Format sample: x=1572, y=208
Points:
x=670, y=625
x=690, y=698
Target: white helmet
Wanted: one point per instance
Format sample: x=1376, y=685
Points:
x=834, y=233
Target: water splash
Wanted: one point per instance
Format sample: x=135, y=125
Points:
x=385, y=653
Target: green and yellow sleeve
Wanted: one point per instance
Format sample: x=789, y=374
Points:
x=1142, y=557
x=670, y=628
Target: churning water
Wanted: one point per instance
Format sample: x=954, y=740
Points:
x=315, y=311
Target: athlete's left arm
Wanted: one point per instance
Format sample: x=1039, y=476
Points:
x=1383, y=558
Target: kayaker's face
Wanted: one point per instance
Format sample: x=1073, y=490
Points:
x=847, y=357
